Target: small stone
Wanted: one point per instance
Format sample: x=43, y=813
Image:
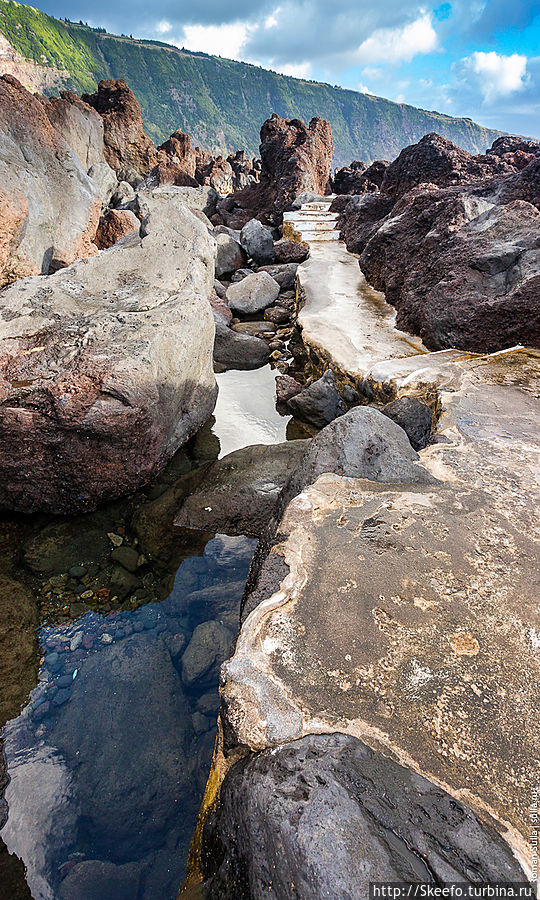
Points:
x=127, y=556
x=76, y=640
x=77, y=571
x=51, y=659
x=200, y=723
x=115, y=539
x=87, y=595
x=277, y=314
x=88, y=641
x=106, y=638
x=61, y=697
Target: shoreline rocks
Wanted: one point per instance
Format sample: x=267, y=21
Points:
x=105, y=367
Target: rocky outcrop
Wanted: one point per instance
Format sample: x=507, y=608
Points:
x=283, y=815
x=49, y=206
x=105, y=367
x=295, y=158
x=358, y=178
x=176, y=160
x=238, y=351
x=127, y=149
x=474, y=218
x=80, y=126
x=480, y=291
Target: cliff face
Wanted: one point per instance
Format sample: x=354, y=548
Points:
x=219, y=102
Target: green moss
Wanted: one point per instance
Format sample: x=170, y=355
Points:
x=220, y=102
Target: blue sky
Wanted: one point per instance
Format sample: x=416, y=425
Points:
x=462, y=57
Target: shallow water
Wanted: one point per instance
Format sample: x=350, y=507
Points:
x=107, y=762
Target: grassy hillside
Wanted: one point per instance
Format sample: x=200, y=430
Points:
x=223, y=103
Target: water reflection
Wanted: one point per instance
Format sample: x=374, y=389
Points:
x=246, y=410
x=108, y=761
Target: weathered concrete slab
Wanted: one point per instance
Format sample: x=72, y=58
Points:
x=409, y=617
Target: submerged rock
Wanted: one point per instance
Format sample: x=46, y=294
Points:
x=105, y=367
x=233, y=350
x=209, y=646
x=239, y=492
x=284, y=814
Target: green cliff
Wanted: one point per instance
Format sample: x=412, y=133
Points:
x=221, y=103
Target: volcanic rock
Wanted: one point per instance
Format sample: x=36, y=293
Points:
x=290, y=252
x=126, y=145
x=258, y=243
x=253, y=294
x=80, y=125
x=238, y=351
x=49, y=207
x=414, y=416
x=115, y=224
x=230, y=256
x=284, y=274
x=319, y=403
x=105, y=367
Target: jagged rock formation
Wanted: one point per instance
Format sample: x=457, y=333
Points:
x=295, y=158
x=358, y=178
x=105, y=367
x=126, y=145
x=475, y=218
x=49, y=206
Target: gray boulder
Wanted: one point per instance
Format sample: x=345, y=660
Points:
x=257, y=241
x=105, y=180
x=106, y=366
x=229, y=255
x=238, y=351
x=284, y=274
x=319, y=403
x=360, y=444
x=330, y=815
x=98, y=878
x=209, y=646
x=239, y=492
x=253, y=294
x=123, y=196
x=240, y=274
x=414, y=416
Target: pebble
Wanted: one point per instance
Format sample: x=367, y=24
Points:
x=78, y=571
x=88, y=641
x=115, y=539
x=51, y=659
x=106, y=638
x=87, y=595
x=76, y=640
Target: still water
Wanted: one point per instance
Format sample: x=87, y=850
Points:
x=107, y=762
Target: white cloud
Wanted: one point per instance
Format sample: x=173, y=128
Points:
x=399, y=44
x=218, y=40
x=363, y=89
x=297, y=70
x=163, y=27
x=271, y=20
x=497, y=75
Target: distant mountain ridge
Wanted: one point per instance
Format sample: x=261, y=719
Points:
x=221, y=103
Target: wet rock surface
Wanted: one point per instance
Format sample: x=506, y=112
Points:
x=282, y=821
x=319, y=403
x=234, y=350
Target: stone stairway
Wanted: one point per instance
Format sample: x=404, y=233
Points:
x=313, y=222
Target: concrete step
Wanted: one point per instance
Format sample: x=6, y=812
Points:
x=320, y=236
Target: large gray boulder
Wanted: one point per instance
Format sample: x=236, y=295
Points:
x=319, y=403
x=49, y=207
x=253, y=294
x=363, y=443
x=331, y=816
x=238, y=351
x=414, y=416
x=284, y=274
x=106, y=366
x=258, y=243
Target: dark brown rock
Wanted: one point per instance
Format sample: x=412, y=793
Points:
x=358, y=178
x=290, y=251
x=115, y=224
x=126, y=145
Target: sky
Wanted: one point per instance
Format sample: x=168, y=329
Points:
x=461, y=57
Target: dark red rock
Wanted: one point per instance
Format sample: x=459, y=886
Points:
x=286, y=388
x=358, y=178
x=290, y=251
x=115, y=224
x=126, y=145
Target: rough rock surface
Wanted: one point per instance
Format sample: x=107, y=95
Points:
x=80, y=125
x=115, y=224
x=319, y=403
x=294, y=158
x=283, y=815
x=176, y=160
x=414, y=416
x=290, y=252
x=359, y=178
x=258, y=243
x=230, y=256
x=253, y=294
x=407, y=617
x=105, y=367
x=238, y=351
x=284, y=274
x=239, y=492
x=481, y=289
x=126, y=145
x=49, y=207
